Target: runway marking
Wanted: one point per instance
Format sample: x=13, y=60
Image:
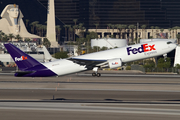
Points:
x=57, y=89
x=135, y=75
x=83, y=108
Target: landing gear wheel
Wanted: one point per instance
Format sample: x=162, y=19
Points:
x=93, y=74
x=98, y=74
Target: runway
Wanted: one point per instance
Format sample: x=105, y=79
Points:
x=80, y=96
x=81, y=111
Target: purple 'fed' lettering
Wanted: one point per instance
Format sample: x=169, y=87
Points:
x=143, y=48
x=134, y=51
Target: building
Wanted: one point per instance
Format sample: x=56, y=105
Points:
x=161, y=13
x=99, y=13
x=108, y=43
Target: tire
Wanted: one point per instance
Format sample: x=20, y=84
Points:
x=99, y=75
x=93, y=74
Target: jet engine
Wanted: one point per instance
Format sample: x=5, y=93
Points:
x=114, y=63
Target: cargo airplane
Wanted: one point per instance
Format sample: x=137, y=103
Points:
x=113, y=58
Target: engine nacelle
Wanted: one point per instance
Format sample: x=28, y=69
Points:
x=114, y=63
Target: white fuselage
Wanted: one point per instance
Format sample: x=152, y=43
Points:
x=64, y=66
x=136, y=52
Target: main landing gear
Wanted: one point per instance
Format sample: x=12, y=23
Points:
x=95, y=73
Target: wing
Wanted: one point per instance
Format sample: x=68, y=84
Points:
x=90, y=64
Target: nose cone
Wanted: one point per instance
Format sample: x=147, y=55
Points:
x=173, y=46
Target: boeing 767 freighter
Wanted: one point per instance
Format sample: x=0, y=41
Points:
x=29, y=67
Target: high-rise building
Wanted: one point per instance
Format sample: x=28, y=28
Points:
x=161, y=13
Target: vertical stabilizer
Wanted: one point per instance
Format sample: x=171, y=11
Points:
x=23, y=60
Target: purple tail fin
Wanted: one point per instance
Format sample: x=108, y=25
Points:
x=23, y=60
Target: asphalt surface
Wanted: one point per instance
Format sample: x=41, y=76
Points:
x=80, y=96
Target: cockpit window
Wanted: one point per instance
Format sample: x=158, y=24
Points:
x=169, y=42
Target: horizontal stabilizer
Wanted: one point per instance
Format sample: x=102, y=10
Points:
x=22, y=73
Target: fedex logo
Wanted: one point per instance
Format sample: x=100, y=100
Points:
x=114, y=63
x=143, y=48
x=21, y=58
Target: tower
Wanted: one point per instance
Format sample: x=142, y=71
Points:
x=51, y=30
